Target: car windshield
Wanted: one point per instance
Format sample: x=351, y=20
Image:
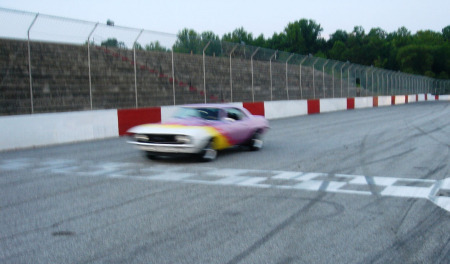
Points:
x=203, y=113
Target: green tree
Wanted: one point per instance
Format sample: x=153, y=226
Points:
x=188, y=41
x=338, y=52
x=214, y=48
x=302, y=36
x=239, y=35
x=446, y=33
x=113, y=43
x=416, y=59
x=155, y=46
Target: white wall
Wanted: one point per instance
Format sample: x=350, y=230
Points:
x=280, y=109
x=421, y=97
x=54, y=128
x=444, y=97
x=335, y=104
x=400, y=99
x=363, y=102
x=384, y=100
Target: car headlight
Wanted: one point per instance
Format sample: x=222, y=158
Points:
x=183, y=139
x=140, y=137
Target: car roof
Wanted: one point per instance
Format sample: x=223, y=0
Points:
x=220, y=106
x=212, y=106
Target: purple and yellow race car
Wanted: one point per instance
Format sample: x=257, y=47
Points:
x=201, y=130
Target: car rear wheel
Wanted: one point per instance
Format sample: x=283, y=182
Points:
x=208, y=153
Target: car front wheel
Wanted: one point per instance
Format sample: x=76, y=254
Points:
x=256, y=143
x=208, y=153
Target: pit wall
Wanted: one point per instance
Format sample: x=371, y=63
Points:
x=25, y=131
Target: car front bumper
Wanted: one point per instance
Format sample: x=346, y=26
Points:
x=167, y=148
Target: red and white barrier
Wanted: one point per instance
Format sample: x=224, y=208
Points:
x=25, y=131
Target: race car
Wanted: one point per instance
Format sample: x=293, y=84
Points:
x=201, y=130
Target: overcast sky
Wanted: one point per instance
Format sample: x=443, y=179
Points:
x=257, y=17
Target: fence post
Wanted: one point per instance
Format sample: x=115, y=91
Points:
x=387, y=83
x=135, y=71
x=270, y=70
x=251, y=62
x=371, y=67
x=173, y=79
x=89, y=63
x=348, y=80
x=323, y=78
x=301, y=89
x=204, y=70
x=29, y=63
x=367, y=80
x=314, y=82
x=231, y=76
x=287, y=84
x=341, y=75
x=332, y=70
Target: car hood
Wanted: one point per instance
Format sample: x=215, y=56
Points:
x=198, y=132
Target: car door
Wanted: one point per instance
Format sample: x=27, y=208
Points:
x=238, y=125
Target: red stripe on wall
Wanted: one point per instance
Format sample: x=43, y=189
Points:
x=436, y=97
x=129, y=118
x=375, y=101
x=256, y=108
x=313, y=106
x=426, y=97
x=417, y=98
x=350, y=103
x=393, y=100
x=406, y=99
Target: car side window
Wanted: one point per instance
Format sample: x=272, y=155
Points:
x=235, y=114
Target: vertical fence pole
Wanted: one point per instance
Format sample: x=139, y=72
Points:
x=323, y=78
x=371, y=67
x=348, y=80
x=301, y=89
x=356, y=80
x=332, y=70
x=287, y=84
x=367, y=80
x=341, y=75
x=173, y=80
x=89, y=63
x=378, y=83
x=388, y=88
x=231, y=75
x=134, y=62
x=270, y=69
x=204, y=70
x=29, y=63
x=251, y=62
x=314, y=82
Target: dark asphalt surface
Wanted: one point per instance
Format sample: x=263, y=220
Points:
x=103, y=202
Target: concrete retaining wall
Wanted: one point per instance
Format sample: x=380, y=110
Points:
x=45, y=129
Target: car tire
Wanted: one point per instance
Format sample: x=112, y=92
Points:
x=151, y=156
x=208, y=153
x=256, y=142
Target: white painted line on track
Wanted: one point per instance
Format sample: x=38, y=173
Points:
x=437, y=191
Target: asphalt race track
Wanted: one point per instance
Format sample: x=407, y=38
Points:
x=360, y=186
